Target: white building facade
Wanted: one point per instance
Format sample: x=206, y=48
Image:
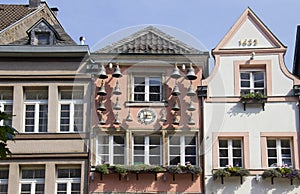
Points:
x=259, y=131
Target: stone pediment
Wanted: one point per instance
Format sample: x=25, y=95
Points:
x=149, y=40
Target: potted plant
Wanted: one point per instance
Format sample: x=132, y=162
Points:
x=230, y=171
x=284, y=172
x=253, y=98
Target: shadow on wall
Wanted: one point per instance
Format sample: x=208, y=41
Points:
x=251, y=186
x=238, y=110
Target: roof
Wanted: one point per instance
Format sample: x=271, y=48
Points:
x=13, y=13
x=16, y=17
x=149, y=40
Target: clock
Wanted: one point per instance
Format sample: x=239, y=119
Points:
x=146, y=116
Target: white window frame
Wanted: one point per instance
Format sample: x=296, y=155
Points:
x=182, y=149
x=230, y=152
x=67, y=181
x=71, y=103
x=110, y=149
x=4, y=182
x=4, y=103
x=33, y=182
x=279, y=153
x=36, y=104
x=147, y=149
x=252, y=81
x=147, y=87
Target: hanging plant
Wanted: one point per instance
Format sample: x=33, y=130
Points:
x=230, y=171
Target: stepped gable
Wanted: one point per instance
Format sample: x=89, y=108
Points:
x=149, y=40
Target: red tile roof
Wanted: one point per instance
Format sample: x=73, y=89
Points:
x=13, y=13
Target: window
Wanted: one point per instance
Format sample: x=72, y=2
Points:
x=36, y=110
x=111, y=149
x=6, y=103
x=147, y=150
x=43, y=38
x=3, y=181
x=182, y=149
x=279, y=152
x=68, y=180
x=71, y=109
x=252, y=82
x=147, y=89
x=230, y=152
x=32, y=181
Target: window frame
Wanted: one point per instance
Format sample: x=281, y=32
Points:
x=230, y=149
x=71, y=103
x=32, y=181
x=182, y=147
x=68, y=181
x=4, y=182
x=36, y=103
x=147, y=146
x=111, y=146
x=279, y=157
x=147, y=87
x=252, y=81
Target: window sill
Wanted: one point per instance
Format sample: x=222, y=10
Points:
x=149, y=104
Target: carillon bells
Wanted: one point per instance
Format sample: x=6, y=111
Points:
x=102, y=73
x=117, y=72
x=191, y=91
x=191, y=107
x=163, y=116
x=117, y=121
x=102, y=91
x=191, y=120
x=129, y=118
x=117, y=105
x=176, y=106
x=101, y=106
x=176, y=73
x=117, y=90
x=102, y=121
x=176, y=91
x=175, y=121
x=191, y=73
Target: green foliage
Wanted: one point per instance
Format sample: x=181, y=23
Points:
x=180, y=169
x=103, y=168
x=7, y=133
x=252, y=95
x=230, y=171
x=284, y=172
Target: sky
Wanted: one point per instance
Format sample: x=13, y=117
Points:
x=206, y=20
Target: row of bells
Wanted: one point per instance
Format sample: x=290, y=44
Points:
x=162, y=119
x=190, y=74
x=102, y=73
x=102, y=91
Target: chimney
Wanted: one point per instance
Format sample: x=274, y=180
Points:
x=54, y=10
x=81, y=39
x=34, y=3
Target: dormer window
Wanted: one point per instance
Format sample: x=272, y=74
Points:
x=42, y=38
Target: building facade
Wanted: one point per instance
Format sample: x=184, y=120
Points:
x=147, y=114
x=251, y=113
x=42, y=86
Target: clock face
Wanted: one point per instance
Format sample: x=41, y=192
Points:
x=146, y=116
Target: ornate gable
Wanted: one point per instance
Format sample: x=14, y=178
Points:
x=249, y=33
x=149, y=40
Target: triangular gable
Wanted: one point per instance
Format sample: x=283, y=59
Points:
x=249, y=32
x=43, y=25
x=149, y=40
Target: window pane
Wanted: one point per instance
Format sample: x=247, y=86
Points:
x=4, y=174
x=8, y=110
x=139, y=150
x=118, y=140
x=154, y=140
x=190, y=151
x=154, y=89
x=139, y=97
x=174, y=140
x=139, y=80
x=118, y=160
x=174, y=160
x=78, y=117
x=237, y=153
x=138, y=159
x=237, y=143
x=223, y=162
x=258, y=76
x=27, y=174
x=39, y=173
x=39, y=188
x=223, y=153
x=139, y=89
x=65, y=118
x=154, y=97
x=154, y=150
x=190, y=140
x=245, y=84
x=237, y=162
x=43, y=118
x=3, y=188
x=62, y=188
x=285, y=143
x=139, y=140
x=272, y=153
x=174, y=150
x=245, y=76
x=191, y=159
x=75, y=188
x=118, y=150
x=25, y=188
x=271, y=143
x=103, y=139
x=223, y=143
x=154, y=160
x=272, y=162
x=63, y=173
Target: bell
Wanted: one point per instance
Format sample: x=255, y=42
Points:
x=101, y=107
x=102, y=121
x=117, y=72
x=102, y=74
x=129, y=118
x=191, y=107
x=176, y=73
x=191, y=73
x=117, y=105
x=117, y=90
x=117, y=121
x=191, y=120
x=191, y=91
x=163, y=117
x=175, y=107
x=175, y=121
x=102, y=91
x=176, y=91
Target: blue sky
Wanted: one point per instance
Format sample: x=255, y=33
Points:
x=206, y=20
